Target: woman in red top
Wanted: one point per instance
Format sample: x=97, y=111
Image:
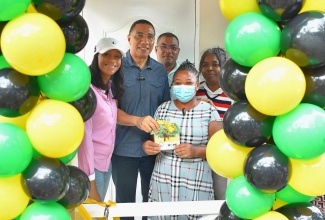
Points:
x=211, y=61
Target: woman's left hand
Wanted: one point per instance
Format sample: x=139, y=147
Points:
x=150, y=147
x=184, y=150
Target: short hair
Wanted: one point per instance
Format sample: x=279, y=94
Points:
x=141, y=21
x=219, y=53
x=187, y=65
x=167, y=34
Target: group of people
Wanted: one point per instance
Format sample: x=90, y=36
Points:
x=133, y=92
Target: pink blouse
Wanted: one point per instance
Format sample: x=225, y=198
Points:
x=97, y=146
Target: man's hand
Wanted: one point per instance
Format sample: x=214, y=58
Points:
x=147, y=124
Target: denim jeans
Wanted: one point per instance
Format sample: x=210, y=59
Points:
x=125, y=174
x=102, y=181
x=219, y=186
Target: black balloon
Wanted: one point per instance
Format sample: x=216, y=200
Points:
x=266, y=168
x=280, y=10
x=301, y=211
x=86, y=105
x=315, y=86
x=232, y=79
x=226, y=214
x=303, y=39
x=76, y=34
x=60, y=10
x=47, y=179
x=79, y=188
x=246, y=126
x=19, y=93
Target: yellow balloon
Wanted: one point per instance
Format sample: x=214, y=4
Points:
x=307, y=176
x=310, y=5
x=13, y=197
x=275, y=86
x=33, y=44
x=233, y=8
x=55, y=128
x=226, y=157
x=272, y=215
x=278, y=204
x=19, y=121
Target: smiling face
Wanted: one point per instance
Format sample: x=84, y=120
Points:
x=109, y=63
x=167, y=51
x=141, y=40
x=211, y=69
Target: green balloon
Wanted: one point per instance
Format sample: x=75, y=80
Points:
x=247, y=202
x=68, y=82
x=50, y=211
x=12, y=9
x=16, y=150
x=252, y=37
x=290, y=195
x=3, y=63
x=299, y=134
x=69, y=157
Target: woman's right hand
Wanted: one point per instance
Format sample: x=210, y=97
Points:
x=93, y=194
x=151, y=148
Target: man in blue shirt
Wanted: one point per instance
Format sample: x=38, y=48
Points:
x=145, y=88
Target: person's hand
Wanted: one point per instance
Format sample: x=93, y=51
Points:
x=147, y=124
x=206, y=100
x=151, y=148
x=93, y=193
x=184, y=150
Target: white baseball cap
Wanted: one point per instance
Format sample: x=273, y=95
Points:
x=108, y=43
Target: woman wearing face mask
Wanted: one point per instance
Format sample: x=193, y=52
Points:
x=183, y=174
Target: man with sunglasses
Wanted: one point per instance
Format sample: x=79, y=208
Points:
x=167, y=51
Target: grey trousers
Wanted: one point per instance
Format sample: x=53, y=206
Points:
x=219, y=186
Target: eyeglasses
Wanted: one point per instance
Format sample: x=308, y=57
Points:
x=149, y=37
x=165, y=47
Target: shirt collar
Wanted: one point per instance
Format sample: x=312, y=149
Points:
x=217, y=92
x=131, y=63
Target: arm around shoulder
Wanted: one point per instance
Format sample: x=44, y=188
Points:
x=214, y=126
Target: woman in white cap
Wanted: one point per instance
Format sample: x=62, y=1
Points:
x=95, y=151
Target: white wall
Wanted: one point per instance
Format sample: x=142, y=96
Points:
x=212, y=25
x=113, y=18
x=103, y=17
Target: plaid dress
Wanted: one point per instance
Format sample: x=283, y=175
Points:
x=189, y=179
x=319, y=201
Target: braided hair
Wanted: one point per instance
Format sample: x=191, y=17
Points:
x=220, y=54
x=187, y=65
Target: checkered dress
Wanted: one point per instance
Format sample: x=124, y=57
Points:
x=319, y=201
x=176, y=179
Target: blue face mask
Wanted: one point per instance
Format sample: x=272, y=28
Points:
x=184, y=93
